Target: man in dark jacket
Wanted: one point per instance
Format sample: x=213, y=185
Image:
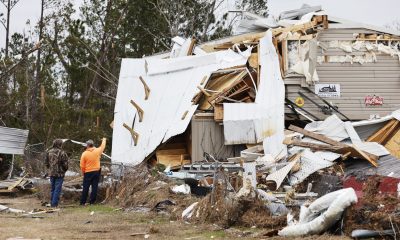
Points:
x=57, y=165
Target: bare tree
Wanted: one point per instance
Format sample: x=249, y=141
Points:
x=9, y=5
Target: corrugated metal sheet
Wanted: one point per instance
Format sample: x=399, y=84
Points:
x=264, y=119
x=310, y=163
x=387, y=166
x=13, y=140
x=208, y=136
x=168, y=109
x=356, y=81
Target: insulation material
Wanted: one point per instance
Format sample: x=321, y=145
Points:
x=274, y=205
x=249, y=173
x=264, y=119
x=310, y=163
x=322, y=214
x=168, y=108
x=302, y=59
x=369, y=48
x=279, y=175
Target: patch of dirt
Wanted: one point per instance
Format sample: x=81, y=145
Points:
x=376, y=212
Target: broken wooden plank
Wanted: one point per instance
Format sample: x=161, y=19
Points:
x=219, y=112
x=313, y=146
x=378, y=136
x=316, y=136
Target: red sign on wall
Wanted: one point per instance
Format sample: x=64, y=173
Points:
x=373, y=100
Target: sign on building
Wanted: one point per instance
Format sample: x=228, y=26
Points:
x=326, y=90
x=373, y=100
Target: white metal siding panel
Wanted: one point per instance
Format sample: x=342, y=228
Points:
x=356, y=82
x=12, y=140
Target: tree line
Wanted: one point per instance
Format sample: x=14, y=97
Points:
x=59, y=77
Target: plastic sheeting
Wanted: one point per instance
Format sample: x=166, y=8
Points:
x=264, y=119
x=168, y=109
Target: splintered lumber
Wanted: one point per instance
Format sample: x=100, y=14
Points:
x=313, y=146
x=253, y=60
x=218, y=112
x=393, y=144
x=343, y=148
x=11, y=187
x=316, y=136
x=383, y=134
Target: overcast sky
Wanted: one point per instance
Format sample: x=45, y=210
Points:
x=373, y=12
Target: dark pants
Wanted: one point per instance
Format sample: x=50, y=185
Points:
x=90, y=179
x=56, y=186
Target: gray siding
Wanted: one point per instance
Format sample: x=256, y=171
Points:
x=208, y=136
x=356, y=81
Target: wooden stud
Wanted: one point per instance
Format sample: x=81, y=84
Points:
x=325, y=22
x=146, y=88
x=191, y=47
x=204, y=91
x=135, y=135
x=139, y=110
x=378, y=136
x=219, y=112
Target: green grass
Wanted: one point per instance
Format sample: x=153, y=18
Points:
x=215, y=234
x=93, y=208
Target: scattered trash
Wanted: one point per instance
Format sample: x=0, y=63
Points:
x=184, y=189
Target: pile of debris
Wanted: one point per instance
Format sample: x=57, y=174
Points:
x=213, y=115
x=15, y=185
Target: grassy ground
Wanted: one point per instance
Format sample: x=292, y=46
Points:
x=105, y=222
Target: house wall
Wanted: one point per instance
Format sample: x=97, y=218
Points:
x=208, y=136
x=381, y=78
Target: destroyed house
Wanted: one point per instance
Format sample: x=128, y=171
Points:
x=216, y=99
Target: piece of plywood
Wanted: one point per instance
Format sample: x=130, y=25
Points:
x=219, y=112
x=393, y=145
x=253, y=60
x=382, y=135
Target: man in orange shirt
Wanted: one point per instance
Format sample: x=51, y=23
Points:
x=90, y=166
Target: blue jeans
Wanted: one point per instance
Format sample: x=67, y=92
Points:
x=90, y=179
x=56, y=186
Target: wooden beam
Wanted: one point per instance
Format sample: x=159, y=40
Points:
x=313, y=146
x=139, y=110
x=191, y=47
x=146, y=88
x=343, y=148
x=316, y=136
x=204, y=91
x=219, y=112
x=378, y=136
